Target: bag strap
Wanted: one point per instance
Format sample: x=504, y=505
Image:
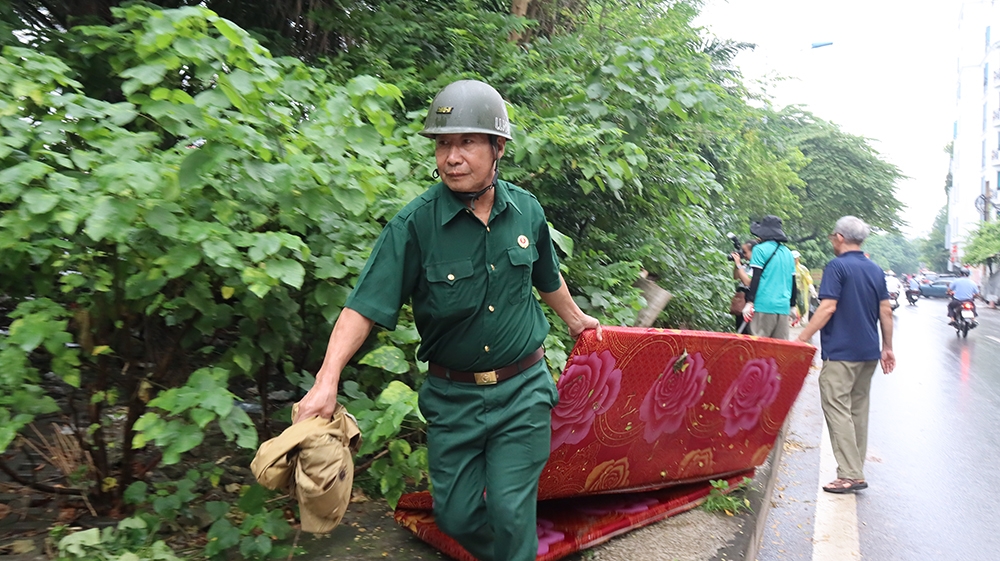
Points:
x=776, y=248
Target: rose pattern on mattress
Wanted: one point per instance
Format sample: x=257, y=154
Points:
x=756, y=388
x=677, y=389
x=547, y=535
x=587, y=388
x=612, y=474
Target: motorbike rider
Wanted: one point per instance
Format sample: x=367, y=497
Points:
x=962, y=290
x=893, y=286
x=913, y=291
x=892, y=283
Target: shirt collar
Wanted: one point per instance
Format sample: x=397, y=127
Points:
x=450, y=205
x=503, y=198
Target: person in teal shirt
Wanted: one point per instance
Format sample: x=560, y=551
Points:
x=773, y=292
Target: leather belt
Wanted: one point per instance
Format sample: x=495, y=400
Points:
x=487, y=378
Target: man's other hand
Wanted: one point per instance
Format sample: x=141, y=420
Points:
x=888, y=361
x=586, y=322
x=748, y=312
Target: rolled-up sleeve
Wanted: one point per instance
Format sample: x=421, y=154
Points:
x=388, y=278
x=545, y=272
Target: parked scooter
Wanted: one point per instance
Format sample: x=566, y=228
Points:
x=965, y=319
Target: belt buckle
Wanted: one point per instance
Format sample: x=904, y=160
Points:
x=486, y=378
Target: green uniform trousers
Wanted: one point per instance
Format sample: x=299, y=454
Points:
x=487, y=446
x=844, y=388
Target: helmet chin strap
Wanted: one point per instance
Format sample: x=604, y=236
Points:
x=471, y=198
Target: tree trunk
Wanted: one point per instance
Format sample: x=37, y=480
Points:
x=656, y=299
x=518, y=8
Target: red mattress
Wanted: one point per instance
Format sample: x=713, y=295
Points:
x=649, y=415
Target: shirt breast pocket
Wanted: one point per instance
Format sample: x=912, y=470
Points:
x=522, y=260
x=451, y=289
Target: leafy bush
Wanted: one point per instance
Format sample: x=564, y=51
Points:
x=198, y=218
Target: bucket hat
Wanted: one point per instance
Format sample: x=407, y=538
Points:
x=769, y=228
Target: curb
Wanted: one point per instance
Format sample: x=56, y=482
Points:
x=745, y=544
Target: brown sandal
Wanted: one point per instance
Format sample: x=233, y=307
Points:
x=843, y=485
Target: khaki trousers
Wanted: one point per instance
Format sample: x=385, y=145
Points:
x=774, y=326
x=844, y=389
x=487, y=446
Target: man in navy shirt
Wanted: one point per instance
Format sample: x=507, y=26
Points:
x=962, y=290
x=853, y=299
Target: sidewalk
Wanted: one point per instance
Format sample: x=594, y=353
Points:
x=368, y=531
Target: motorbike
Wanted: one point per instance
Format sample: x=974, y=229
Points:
x=912, y=296
x=965, y=319
x=894, y=300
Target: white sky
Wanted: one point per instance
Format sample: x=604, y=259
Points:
x=889, y=76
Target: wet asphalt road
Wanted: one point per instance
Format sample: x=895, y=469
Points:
x=933, y=456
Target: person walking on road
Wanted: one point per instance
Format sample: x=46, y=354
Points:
x=773, y=294
x=466, y=253
x=853, y=301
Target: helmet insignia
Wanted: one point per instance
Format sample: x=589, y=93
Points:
x=444, y=110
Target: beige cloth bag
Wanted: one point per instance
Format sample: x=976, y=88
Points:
x=313, y=461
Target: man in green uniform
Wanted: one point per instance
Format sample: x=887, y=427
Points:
x=467, y=252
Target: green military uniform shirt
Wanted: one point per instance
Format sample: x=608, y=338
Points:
x=470, y=283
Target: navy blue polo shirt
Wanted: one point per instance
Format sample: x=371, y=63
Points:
x=858, y=286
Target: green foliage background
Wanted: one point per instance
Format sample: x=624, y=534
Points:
x=893, y=251
x=184, y=212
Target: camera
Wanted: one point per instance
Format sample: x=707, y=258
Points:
x=736, y=245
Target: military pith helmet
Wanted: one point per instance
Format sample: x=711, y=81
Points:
x=467, y=106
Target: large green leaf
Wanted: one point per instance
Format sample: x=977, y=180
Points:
x=387, y=358
x=288, y=271
x=40, y=202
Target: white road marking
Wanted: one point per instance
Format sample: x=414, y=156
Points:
x=835, y=534
x=994, y=338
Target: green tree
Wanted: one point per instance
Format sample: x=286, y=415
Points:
x=984, y=244
x=933, y=252
x=843, y=175
x=893, y=251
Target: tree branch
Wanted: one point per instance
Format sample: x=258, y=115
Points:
x=37, y=486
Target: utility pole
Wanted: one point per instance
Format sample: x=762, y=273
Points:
x=988, y=207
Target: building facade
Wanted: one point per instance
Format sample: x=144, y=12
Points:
x=975, y=159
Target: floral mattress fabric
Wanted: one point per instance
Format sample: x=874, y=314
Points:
x=566, y=526
x=649, y=410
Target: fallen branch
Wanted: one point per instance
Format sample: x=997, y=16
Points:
x=360, y=469
x=37, y=486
